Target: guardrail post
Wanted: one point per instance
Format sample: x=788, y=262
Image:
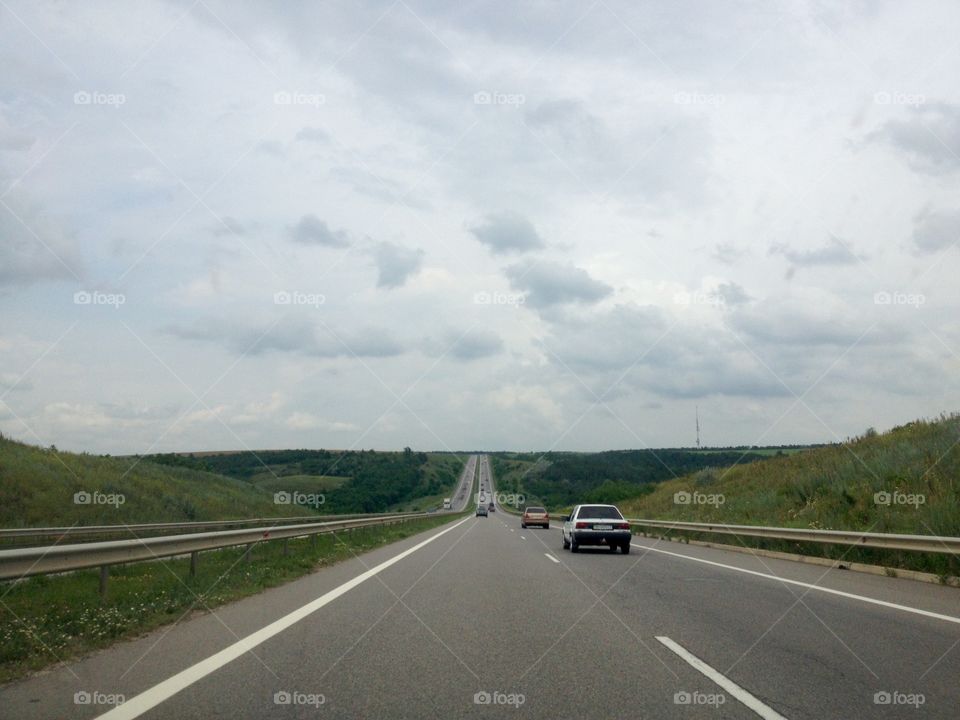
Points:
x=193, y=563
x=286, y=547
x=104, y=576
x=248, y=553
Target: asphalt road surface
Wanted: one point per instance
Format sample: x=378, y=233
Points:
x=480, y=619
x=462, y=496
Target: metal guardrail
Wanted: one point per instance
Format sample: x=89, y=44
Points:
x=886, y=541
x=135, y=529
x=24, y=562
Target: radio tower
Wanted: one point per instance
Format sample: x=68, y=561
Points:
x=698, y=427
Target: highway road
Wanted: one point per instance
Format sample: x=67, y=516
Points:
x=485, y=480
x=462, y=494
x=481, y=619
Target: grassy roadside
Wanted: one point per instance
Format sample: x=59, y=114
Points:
x=901, y=481
x=40, y=487
x=54, y=618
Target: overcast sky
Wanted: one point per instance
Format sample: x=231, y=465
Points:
x=558, y=225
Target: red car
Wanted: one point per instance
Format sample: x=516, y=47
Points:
x=535, y=516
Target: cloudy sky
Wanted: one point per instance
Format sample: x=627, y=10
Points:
x=476, y=225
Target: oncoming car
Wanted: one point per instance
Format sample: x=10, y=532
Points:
x=596, y=525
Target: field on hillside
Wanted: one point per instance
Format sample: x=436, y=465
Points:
x=298, y=483
x=45, y=487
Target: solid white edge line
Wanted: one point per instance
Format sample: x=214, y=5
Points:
x=818, y=588
x=139, y=704
x=760, y=708
x=551, y=557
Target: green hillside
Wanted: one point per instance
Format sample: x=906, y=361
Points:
x=350, y=481
x=38, y=485
x=906, y=480
x=560, y=479
x=298, y=483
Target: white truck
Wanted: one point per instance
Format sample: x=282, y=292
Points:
x=446, y=504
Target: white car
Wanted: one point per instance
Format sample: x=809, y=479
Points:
x=596, y=525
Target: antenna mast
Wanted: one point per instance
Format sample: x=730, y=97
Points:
x=698, y=427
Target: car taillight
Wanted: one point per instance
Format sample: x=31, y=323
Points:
x=582, y=525
x=623, y=526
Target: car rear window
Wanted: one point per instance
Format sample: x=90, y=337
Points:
x=535, y=510
x=602, y=512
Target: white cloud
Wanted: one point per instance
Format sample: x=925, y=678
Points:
x=936, y=231
x=929, y=137
x=610, y=180
x=307, y=421
x=311, y=230
x=552, y=283
x=395, y=264
x=34, y=246
x=507, y=233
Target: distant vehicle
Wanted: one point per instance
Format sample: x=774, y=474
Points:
x=491, y=508
x=481, y=510
x=596, y=525
x=535, y=516
x=446, y=504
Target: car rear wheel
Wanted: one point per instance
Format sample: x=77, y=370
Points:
x=566, y=543
x=574, y=547
x=626, y=548
x=523, y=526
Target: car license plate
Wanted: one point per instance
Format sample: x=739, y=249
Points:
x=603, y=527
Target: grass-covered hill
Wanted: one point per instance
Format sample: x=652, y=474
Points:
x=38, y=485
x=37, y=488
x=915, y=468
x=559, y=479
x=350, y=481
